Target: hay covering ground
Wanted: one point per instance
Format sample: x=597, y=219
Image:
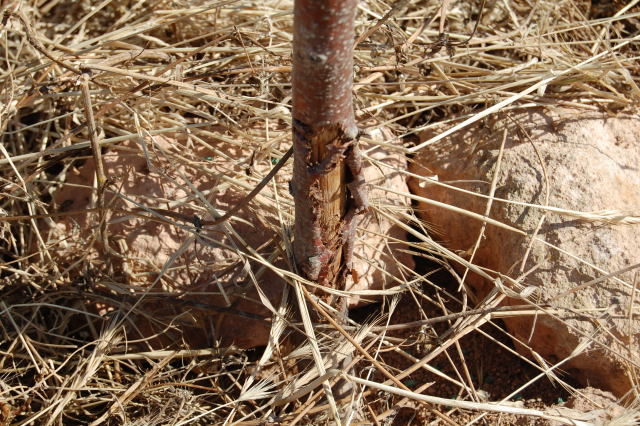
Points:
x=218, y=74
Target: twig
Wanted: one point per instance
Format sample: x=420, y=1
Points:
x=101, y=178
x=33, y=40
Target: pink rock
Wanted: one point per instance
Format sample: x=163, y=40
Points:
x=208, y=290
x=592, y=163
x=594, y=406
x=381, y=260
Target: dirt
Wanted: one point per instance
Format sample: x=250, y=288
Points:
x=496, y=373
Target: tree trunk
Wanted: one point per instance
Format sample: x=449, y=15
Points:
x=327, y=183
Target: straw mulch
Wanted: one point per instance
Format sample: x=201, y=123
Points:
x=216, y=75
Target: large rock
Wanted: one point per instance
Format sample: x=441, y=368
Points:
x=596, y=407
x=208, y=280
x=381, y=259
x=588, y=162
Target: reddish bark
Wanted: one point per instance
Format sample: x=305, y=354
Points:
x=327, y=185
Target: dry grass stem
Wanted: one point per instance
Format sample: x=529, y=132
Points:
x=122, y=117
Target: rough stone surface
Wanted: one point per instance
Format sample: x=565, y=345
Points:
x=596, y=407
x=586, y=162
x=200, y=266
x=380, y=253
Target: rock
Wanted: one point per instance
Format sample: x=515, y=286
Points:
x=207, y=289
x=596, y=407
x=380, y=254
x=591, y=163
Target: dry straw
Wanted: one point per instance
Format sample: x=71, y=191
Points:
x=163, y=82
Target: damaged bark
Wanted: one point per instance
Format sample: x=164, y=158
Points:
x=327, y=180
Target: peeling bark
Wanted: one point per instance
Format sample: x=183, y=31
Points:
x=327, y=180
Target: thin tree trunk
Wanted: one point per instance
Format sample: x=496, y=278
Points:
x=327, y=181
